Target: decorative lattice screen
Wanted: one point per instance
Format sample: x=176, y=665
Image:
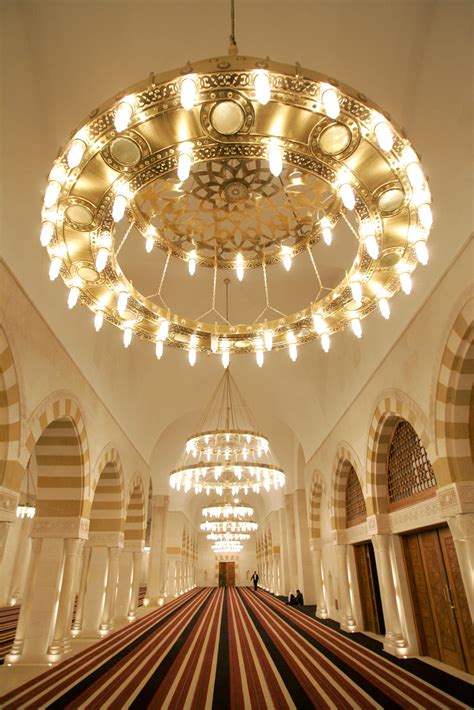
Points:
x=356, y=512
x=409, y=469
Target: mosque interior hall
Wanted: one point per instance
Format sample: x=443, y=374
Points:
x=236, y=354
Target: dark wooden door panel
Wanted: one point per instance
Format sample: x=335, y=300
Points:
x=427, y=637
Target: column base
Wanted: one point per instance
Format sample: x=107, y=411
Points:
x=349, y=625
x=154, y=601
x=58, y=649
x=395, y=645
x=321, y=613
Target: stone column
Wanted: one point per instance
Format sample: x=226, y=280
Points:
x=111, y=589
x=291, y=543
x=62, y=631
x=8, y=504
x=305, y=576
x=321, y=608
x=86, y=558
x=42, y=601
x=16, y=651
x=129, y=573
x=137, y=563
x=394, y=641
x=348, y=622
x=21, y=559
x=95, y=589
x=156, y=570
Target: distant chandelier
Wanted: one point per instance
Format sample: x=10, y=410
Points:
x=228, y=536
x=229, y=526
x=227, y=546
x=227, y=455
x=226, y=511
x=239, y=164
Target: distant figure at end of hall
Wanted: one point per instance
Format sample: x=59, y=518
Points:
x=254, y=579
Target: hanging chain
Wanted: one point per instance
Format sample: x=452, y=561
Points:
x=233, y=49
x=264, y=268
x=132, y=224
x=350, y=227
x=214, y=284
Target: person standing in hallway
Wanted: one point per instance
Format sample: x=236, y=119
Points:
x=254, y=579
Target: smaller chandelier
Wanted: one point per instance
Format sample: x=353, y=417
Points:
x=227, y=546
x=229, y=526
x=216, y=537
x=227, y=454
x=27, y=509
x=226, y=511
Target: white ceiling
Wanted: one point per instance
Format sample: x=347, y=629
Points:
x=61, y=59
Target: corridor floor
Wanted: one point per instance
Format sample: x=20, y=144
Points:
x=234, y=648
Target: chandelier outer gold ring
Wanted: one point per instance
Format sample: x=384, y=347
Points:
x=91, y=184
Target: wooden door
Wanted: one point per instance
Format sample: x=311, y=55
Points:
x=439, y=600
x=369, y=590
x=226, y=574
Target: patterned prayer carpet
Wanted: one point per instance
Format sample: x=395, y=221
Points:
x=216, y=648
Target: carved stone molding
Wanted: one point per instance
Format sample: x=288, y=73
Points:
x=8, y=503
x=416, y=516
x=456, y=498
x=105, y=539
x=378, y=524
x=60, y=527
x=339, y=537
x=358, y=533
x=462, y=527
x=133, y=545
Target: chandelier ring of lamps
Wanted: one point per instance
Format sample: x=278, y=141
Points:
x=228, y=536
x=229, y=526
x=225, y=546
x=227, y=454
x=236, y=163
x=226, y=511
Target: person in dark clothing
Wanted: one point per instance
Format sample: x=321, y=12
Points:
x=296, y=599
x=254, y=579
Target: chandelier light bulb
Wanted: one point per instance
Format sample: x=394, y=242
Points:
x=188, y=93
x=425, y=216
x=325, y=342
x=347, y=196
x=52, y=194
x=275, y=158
x=184, y=165
x=259, y=355
x=356, y=327
x=268, y=340
x=384, y=307
x=287, y=256
x=127, y=336
x=415, y=175
x=98, y=320
x=55, y=267
x=163, y=329
x=159, y=349
x=384, y=136
x=123, y=115
x=262, y=87
x=149, y=244
x=327, y=231
x=319, y=323
x=122, y=301
x=421, y=251
x=192, y=262
x=101, y=259
x=405, y=282
x=76, y=153
x=118, y=208
x=225, y=354
x=372, y=246
x=356, y=290
x=239, y=265
x=192, y=350
x=73, y=296
x=293, y=347
x=214, y=343
x=331, y=103
x=47, y=233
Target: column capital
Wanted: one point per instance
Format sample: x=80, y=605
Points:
x=456, y=498
x=378, y=524
x=133, y=545
x=60, y=527
x=105, y=539
x=462, y=526
x=160, y=501
x=8, y=503
x=339, y=537
x=381, y=541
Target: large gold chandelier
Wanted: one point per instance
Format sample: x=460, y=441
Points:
x=227, y=455
x=237, y=164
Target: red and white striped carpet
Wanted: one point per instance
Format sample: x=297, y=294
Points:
x=216, y=648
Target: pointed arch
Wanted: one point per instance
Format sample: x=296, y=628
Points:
x=454, y=403
x=135, y=511
x=107, y=505
x=11, y=472
x=390, y=409
x=345, y=460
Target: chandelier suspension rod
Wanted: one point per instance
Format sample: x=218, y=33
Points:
x=233, y=49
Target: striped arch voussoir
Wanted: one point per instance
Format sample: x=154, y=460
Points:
x=135, y=510
x=315, y=506
x=10, y=418
x=107, y=503
x=391, y=408
x=345, y=458
x=453, y=398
